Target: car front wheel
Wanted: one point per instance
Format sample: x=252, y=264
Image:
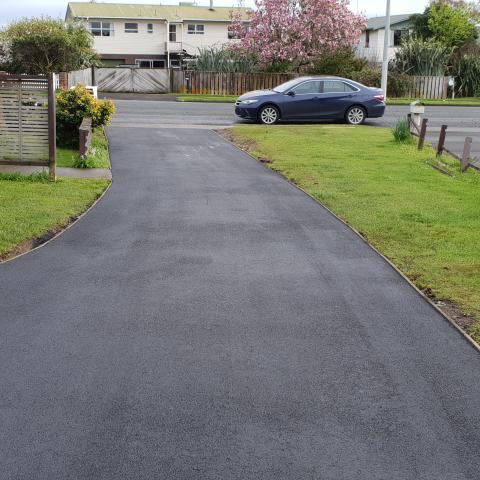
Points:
x=355, y=115
x=269, y=115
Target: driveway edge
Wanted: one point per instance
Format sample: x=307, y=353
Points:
x=450, y=320
x=71, y=222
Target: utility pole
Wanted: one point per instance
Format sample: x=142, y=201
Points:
x=386, y=47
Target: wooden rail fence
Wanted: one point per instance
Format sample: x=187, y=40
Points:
x=27, y=121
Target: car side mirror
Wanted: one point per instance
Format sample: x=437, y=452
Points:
x=291, y=93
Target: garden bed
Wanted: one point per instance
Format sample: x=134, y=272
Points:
x=97, y=157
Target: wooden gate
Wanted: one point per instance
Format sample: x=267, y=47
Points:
x=27, y=121
x=132, y=80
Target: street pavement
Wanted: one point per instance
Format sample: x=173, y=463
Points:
x=461, y=121
x=209, y=321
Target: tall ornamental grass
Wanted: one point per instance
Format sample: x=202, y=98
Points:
x=424, y=57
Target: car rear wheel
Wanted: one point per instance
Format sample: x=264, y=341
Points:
x=355, y=115
x=269, y=115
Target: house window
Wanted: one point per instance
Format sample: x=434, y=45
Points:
x=101, y=29
x=131, y=28
x=195, y=29
x=172, y=33
x=399, y=36
x=367, y=38
x=150, y=27
x=231, y=33
x=147, y=63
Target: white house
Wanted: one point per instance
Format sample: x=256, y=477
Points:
x=372, y=39
x=153, y=36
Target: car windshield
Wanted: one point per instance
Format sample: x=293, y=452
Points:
x=286, y=86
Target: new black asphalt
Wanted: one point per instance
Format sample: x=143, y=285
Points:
x=207, y=320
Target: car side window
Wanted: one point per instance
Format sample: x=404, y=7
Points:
x=307, y=88
x=335, y=86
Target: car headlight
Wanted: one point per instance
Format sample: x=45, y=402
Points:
x=249, y=102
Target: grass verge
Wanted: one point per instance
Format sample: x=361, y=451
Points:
x=97, y=157
x=425, y=222
x=32, y=209
x=207, y=98
x=457, y=102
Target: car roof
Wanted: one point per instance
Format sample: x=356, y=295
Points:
x=322, y=77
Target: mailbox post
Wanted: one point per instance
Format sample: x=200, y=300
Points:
x=417, y=109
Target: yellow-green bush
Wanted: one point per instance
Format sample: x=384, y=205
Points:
x=73, y=106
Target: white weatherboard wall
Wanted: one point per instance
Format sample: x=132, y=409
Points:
x=143, y=43
x=374, y=52
x=216, y=34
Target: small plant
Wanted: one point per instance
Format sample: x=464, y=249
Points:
x=73, y=106
x=401, y=131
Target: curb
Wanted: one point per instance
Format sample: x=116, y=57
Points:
x=450, y=320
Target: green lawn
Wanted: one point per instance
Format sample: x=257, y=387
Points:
x=457, y=102
x=97, y=157
x=30, y=206
x=426, y=222
x=207, y=98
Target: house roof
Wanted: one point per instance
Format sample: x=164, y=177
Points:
x=378, y=23
x=164, y=12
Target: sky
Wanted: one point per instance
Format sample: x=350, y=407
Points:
x=12, y=9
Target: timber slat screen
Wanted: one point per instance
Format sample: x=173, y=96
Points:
x=27, y=131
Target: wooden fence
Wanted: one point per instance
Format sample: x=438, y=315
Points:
x=216, y=83
x=27, y=121
x=428, y=87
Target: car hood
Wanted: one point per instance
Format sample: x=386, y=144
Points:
x=256, y=93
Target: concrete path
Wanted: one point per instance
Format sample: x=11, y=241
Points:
x=207, y=320
x=61, y=171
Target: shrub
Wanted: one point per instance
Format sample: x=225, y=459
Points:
x=225, y=60
x=73, y=106
x=401, y=131
x=342, y=62
x=417, y=56
x=45, y=45
x=467, y=75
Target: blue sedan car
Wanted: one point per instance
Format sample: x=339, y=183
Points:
x=313, y=98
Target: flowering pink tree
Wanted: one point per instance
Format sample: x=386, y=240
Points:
x=297, y=31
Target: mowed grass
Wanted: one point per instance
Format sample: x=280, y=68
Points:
x=426, y=222
x=97, y=157
x=31, y=206
x=456, y=102
x=207, y=98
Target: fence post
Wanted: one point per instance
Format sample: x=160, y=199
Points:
x=466, y=153
x=441, y=140
x=423, y=132
x=52, y=130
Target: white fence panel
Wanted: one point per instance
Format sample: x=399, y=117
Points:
x=129, y=80
x=80, y=76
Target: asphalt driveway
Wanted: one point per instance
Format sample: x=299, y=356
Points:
x=207, y=320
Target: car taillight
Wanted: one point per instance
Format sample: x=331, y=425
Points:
x=380, y=97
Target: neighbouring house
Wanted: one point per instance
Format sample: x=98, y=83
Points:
x=153, y=36
x=372, y=39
